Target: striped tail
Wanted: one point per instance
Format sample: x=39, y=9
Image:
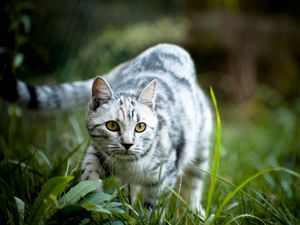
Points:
x=43, y=97
x=62, y=96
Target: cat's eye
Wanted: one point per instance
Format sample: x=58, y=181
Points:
x=140, y=127
x=112, y=126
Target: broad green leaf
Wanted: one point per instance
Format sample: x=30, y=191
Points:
x=47, y=198
x=21, y=208
x=98, y=198
x=70, y=214
x=79, y=191
x=96, y=208
x=114, y=204
x=118, y=222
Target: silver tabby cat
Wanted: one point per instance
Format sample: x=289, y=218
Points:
x=149, y=121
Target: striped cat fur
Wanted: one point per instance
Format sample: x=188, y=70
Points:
x=149, y=121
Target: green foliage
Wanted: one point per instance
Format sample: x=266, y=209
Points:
x=216, y=155
x=46, y=202
x=37, y=185
x=244, y=191
x=114, y=46
x=255, y=172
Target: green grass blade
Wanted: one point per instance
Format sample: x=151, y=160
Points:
x=233, y=186
x=79, y=191
x=47, y=198
x=243, y=184
x=77, y=129
x=21, y=209
x=245, y=216
x=178, y=196
x=8, y=204
x=216, y=157
x=97, y=198
x=82, y=145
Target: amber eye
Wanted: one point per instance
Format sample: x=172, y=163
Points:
x=112, y=126
x=140, y=127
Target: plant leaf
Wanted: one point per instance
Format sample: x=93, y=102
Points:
x=70, y=214
x=97, y=198
x=21, y=208
x=96, y=208
x=216, y=157
x=230, y=196
x=47, y=198
x=79, y=191
x=8, y=204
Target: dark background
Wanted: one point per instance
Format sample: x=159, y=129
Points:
x=235, y=44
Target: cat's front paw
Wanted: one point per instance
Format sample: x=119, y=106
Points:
x=196, y=207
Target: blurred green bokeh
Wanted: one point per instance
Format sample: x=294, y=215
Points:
x=236, y=45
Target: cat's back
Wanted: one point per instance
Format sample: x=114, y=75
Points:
x=164, y=59
x=171, y=65
x=180, y=102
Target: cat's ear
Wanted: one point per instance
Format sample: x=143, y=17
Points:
x=148, y=94
x=101, y=92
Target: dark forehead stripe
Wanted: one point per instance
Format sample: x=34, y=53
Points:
x=130, y=112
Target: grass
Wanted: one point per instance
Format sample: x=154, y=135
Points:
x=252, y=180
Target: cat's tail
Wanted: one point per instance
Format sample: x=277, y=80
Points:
x=43, y=97
x=62, y=96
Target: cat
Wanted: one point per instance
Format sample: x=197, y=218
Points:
x=149, y=121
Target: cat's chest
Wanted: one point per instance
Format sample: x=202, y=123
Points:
x=134, y=172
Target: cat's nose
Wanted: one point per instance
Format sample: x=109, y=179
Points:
x=126, y=146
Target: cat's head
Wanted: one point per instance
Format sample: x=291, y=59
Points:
x=122, y=127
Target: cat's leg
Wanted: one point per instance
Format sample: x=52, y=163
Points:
x=131, y=189
x=192, y=184
x=133, y=192
x=193, y=178
x=93, y=166
x=156, y=195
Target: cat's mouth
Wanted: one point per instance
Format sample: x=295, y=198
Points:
x=125, y=154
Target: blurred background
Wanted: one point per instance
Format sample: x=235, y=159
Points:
x=247, y=50
x=236, y=44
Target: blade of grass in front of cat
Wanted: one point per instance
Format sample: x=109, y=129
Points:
x=243, y=184
x=216, y=157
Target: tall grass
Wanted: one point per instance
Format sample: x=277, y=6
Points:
x=247, y=184
x=216, y=156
